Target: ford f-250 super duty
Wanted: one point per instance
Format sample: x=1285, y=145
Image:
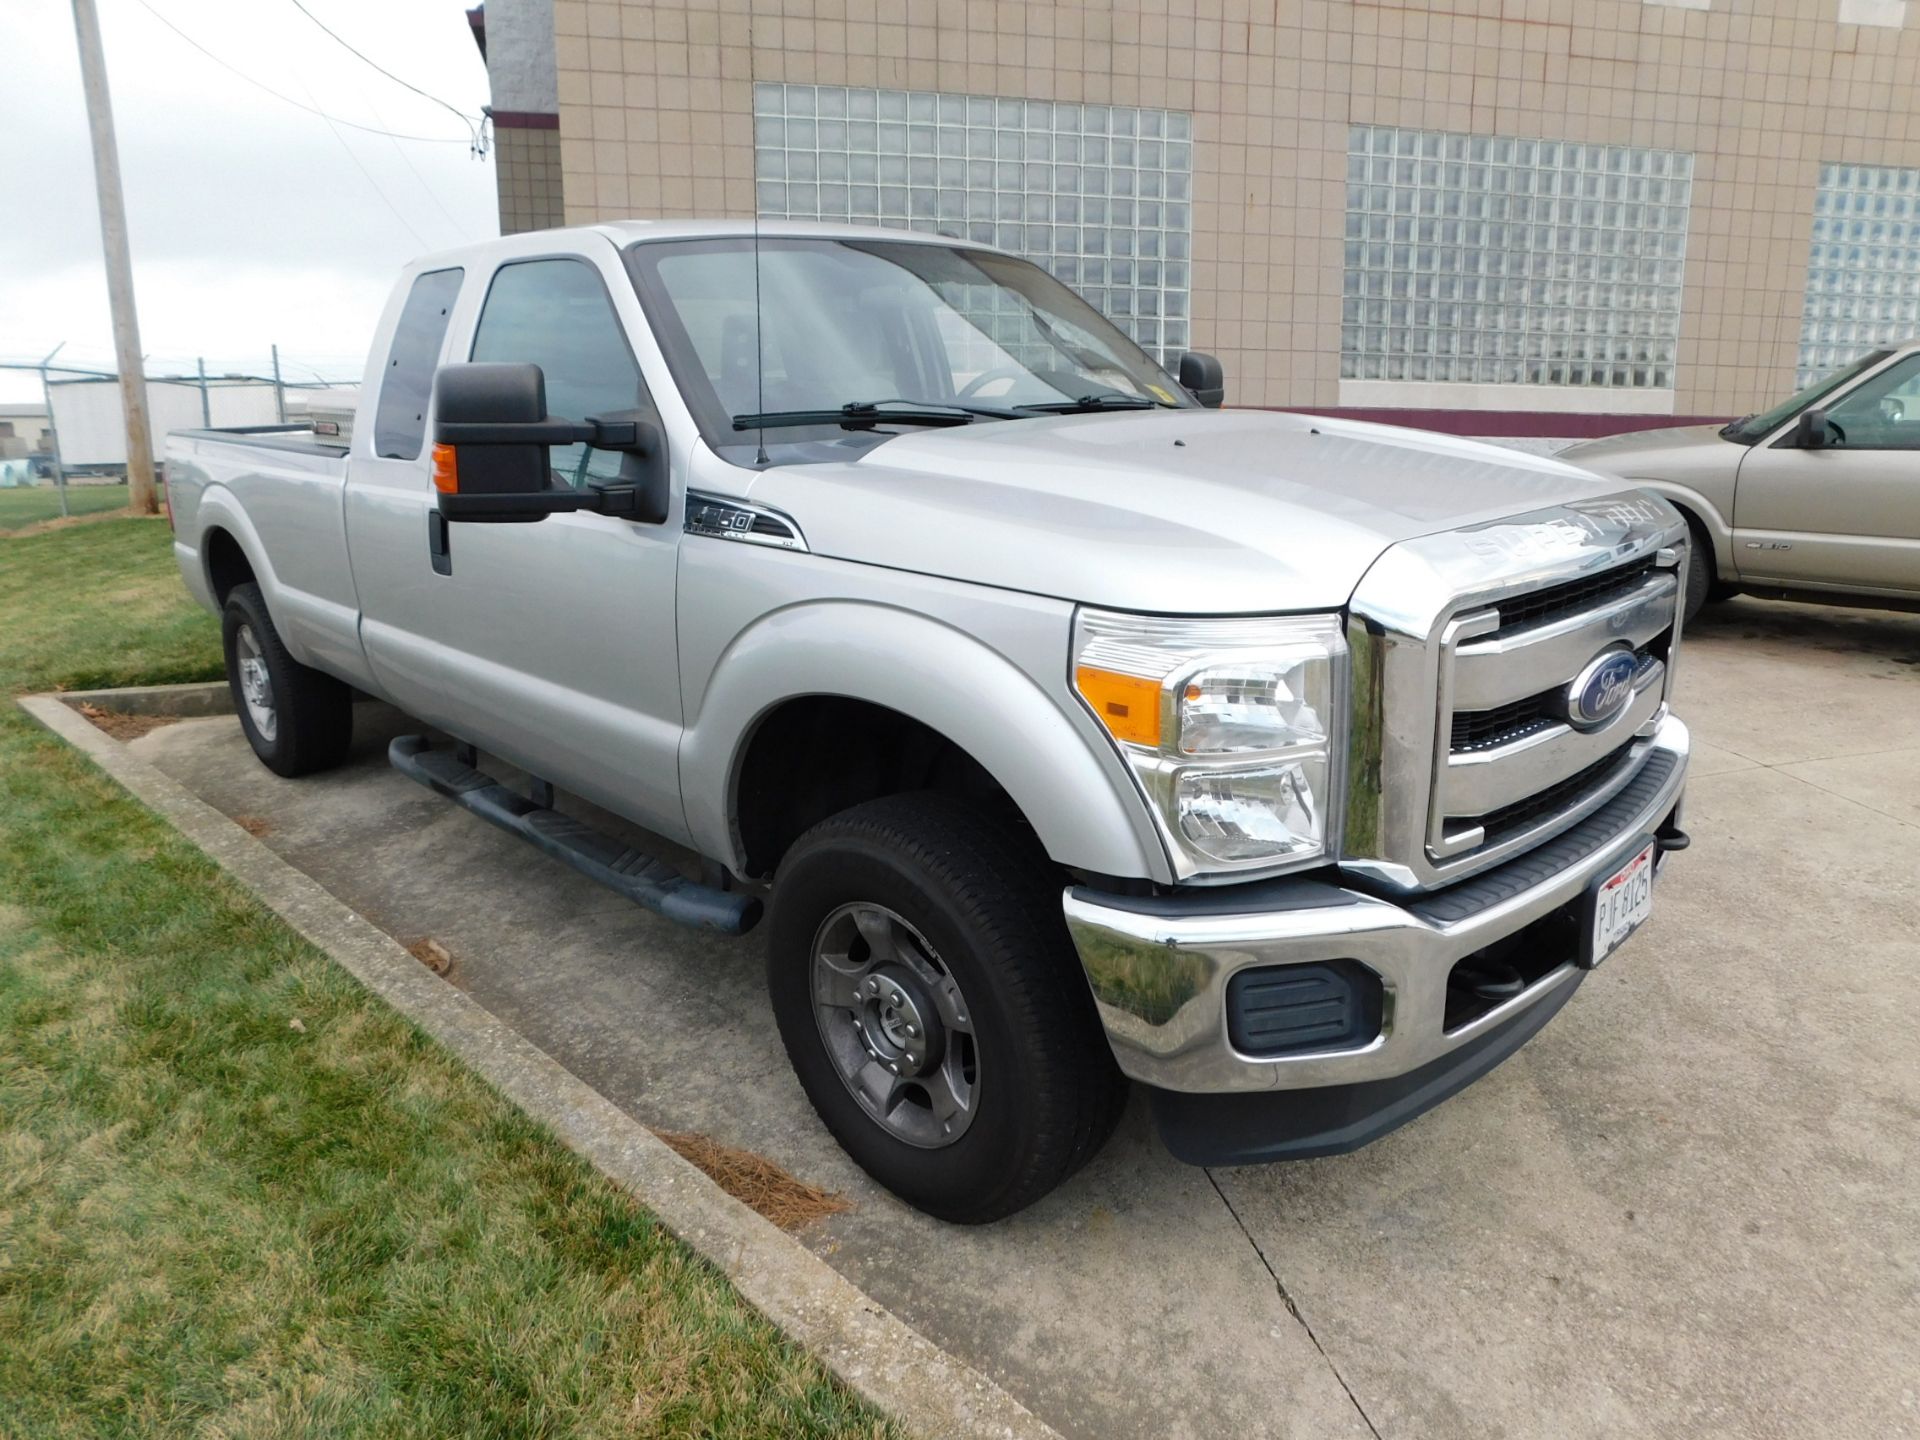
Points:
x=1070, y=728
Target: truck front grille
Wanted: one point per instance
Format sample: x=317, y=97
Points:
x=1573, y=597
x=1510, y=766
x=1523, y=815
x=1482, y=729
x=1482, y=721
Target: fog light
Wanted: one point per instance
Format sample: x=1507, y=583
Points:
x=1301, y=1009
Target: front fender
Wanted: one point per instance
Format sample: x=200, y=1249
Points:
x=1076, y=796
x=1718, y=525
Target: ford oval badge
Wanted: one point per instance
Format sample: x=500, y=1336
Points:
x=1601, y=690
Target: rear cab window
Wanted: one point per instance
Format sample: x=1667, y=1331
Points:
x=406, y=383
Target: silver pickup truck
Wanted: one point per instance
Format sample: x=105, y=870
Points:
x=1071, y=729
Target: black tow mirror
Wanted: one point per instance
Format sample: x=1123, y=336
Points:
x=1814, y=431
x=492, y=460
x=1204, y=378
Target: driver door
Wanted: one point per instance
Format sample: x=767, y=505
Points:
x=1845, y=516
x=556, y=638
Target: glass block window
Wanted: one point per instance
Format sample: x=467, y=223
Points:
x=1863, y=272
x=1100, y=195
x=1490, y=260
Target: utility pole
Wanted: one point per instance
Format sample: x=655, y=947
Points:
x=279, y=391
x=113, y=240
x=206, y=410
x=53, y=428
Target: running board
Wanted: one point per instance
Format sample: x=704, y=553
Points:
x=640, y=877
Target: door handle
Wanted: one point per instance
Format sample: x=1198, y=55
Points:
x=439, y=542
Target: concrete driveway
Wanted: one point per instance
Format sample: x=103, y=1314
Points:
x=1690, y=1206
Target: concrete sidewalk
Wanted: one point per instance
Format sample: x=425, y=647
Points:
x=1691, y=1205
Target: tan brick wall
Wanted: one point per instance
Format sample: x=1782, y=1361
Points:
x=527, y=172
x=656, y=120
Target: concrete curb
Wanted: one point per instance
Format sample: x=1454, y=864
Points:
x=184, y=701
x=876, y=1354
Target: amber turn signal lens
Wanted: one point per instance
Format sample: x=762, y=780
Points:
x=446, y=470
x=1127, y=705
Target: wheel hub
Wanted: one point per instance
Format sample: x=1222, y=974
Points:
x=898, y=1023
x=895, y=1024
x=256, y=684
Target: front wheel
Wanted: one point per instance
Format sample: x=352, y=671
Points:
x=933, y=1007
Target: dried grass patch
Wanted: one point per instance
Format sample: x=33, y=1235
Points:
x=756, y=1181
x=123, y=727
x=432, y=954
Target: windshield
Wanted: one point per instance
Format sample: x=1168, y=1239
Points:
x=845, y=322
x=1757, y=427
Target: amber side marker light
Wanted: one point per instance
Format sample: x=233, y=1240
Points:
x=1127, y=705
x=446, y=470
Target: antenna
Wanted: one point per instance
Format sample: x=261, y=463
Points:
x=759, y=342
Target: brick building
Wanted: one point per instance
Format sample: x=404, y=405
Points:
x=1548, y=213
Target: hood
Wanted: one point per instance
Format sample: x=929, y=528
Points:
x=1173, y=512
x=1652, y=454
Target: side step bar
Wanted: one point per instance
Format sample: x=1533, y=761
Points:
x=641, y=878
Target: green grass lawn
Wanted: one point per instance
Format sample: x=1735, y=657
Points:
x=30, y=504
x=239, y=1196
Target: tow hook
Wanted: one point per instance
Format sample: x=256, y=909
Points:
x=1673, y=839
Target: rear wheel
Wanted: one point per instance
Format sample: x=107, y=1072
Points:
x=934, y=1009
x=297, y=719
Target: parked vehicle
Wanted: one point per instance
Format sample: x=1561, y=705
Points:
x=1071, y=730
x=1817, y=498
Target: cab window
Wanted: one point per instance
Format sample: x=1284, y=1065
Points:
x=400, y=422
x=557, y=314
x=1884, y=412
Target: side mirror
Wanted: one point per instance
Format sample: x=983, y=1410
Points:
x=1203, y=377
x=1813, y=431
x=492, y=443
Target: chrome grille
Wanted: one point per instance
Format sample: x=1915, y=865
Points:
x=1484, y=729
x=1523, y=815
x=1475, y=754
x=1629, y=608
x=1575, y=597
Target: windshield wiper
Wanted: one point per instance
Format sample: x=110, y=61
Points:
x=1731, y=430
x=865, y=414
x=1112, y=400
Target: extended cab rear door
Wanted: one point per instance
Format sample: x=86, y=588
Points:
x=555, y=641
x=390, y=508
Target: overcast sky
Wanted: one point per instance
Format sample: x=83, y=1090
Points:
x=252, y=222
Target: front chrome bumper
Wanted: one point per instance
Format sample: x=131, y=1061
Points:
x=1160, y=966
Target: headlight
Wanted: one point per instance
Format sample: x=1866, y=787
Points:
x=1234, y=729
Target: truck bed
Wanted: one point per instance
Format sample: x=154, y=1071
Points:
x=299, y=439
x=279, y=494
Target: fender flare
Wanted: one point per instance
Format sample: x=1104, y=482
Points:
x=220, y=509
x=1076, y=795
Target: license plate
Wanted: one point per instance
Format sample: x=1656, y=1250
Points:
x=1620, y=905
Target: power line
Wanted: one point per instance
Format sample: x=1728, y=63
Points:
x=459, y=231
x=288, y=99
x=385, y=199
x=465, y=119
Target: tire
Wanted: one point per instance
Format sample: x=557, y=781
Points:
x=1701, y=583
x=297, y=719
x=1704, y=584
x=974, y=904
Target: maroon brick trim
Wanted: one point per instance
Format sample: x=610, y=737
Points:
x=1514, y=424
x=524, y=120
